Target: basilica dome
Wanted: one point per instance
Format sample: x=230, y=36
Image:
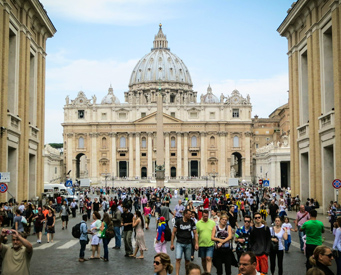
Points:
x=110, y=98
x=160, y=65
x=209, y=97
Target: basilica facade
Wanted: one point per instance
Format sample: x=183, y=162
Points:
x=203, y=136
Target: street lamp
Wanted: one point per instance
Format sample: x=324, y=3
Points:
x=214, y=175
x=206, y=181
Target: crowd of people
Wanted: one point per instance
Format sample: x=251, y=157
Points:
x=230, y=228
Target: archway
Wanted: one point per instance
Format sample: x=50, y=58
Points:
x=173, y=172
x=194, y=168
x=143, y=172
x=81, y=166
x=236, y=165
x=122, y=169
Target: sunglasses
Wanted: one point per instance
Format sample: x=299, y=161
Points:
x=258, y=217
x=247, y=221
x=328, y=255
x=156, y=262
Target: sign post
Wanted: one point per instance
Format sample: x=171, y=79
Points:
x=337, y=185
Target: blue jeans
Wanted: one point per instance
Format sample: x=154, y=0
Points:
x=300, y=235
x=185, y=248
x=106, y=241
x=83, y=246
x=287, y=243
x=117, y=236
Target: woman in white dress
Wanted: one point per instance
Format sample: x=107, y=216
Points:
x=95, y=241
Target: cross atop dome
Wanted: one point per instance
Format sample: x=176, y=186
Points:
x=160, y=40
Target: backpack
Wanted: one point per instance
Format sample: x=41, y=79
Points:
x=317, y=205
x=76, y=230
x=168, y=233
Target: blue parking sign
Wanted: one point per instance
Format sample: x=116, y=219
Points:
x=68, y=183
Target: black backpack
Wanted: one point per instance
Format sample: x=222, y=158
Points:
x=76, y=230
x=168, y=233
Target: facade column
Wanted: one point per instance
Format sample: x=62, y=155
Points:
x=150, y=155
x=137, y=158
x=94, y=174
x=178, y=156
x=113, y=155
x=228, y=159
x=203, y=152
x=69, y=155
x=222, y=156
x=247, y=171
x=131, y=156
x=186, y=175
x=167, y=156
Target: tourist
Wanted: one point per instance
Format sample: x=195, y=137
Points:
x=138, y=224
x=162, y=264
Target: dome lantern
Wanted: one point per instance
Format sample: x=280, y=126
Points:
x=160, y=40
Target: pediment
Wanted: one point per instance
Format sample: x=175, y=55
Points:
x=151, y=118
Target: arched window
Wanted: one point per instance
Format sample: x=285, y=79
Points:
x=122, y=142
x=212, y=141
x=194, y=141
x=235, y=141
x=144, y=142
x=173, y=142
x=81, y=142
x=104, y=142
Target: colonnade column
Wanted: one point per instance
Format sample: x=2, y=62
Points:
x=222, y=156
x=247, y=170
x=69, y=154
x=150, y=155
x=113, y=154
x=186, y=154
x=131, y=156
x=167, y=157
x=178, y=156
x=228, y=146
x=203, y=152
x=137, y=157
x=94, y=174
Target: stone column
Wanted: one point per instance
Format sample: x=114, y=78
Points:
x=137, y=157
x=113, y=155
x=150, y=155
x=203, y=156
x=186, y=154
x=69, y=154
x=131, y=156
x=247, y=171
x=167, y=156
x=94, y=162
x=178, y=156
x=228, y=163
x=222, y=156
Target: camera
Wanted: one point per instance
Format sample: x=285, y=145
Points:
x=9, y=232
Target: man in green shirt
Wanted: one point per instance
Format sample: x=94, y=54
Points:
x=313, y=230
x=206, y=245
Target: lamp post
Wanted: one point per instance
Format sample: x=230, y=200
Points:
x=206, y=181
x=214, y=175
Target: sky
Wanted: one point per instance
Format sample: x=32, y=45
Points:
x=229, y=44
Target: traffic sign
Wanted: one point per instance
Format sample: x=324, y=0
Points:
x=260, y=181
x=266, y=183
x=3, y=187
x=336, y=183
x=5, y=176
x=68, y=183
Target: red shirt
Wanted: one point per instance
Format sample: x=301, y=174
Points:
x=206, y=203
x=59, y=200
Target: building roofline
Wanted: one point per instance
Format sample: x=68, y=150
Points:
x=39, y=8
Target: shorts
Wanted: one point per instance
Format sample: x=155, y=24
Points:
x=262, y=264
x=185, y=248
x=205, y=252
x=65, y=218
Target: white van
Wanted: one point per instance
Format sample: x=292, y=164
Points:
x=55, y=188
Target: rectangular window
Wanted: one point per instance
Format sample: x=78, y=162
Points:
x=267, y=139
x=212, y=114
x=172, y=154
x=122, y=155
x=257, y=145
x=328, y=70
x=144, y=154
x=235, y=113
x=33, y=90
x=193, y=114
x=12, y=72
x=122, y=115
x=172, y=114
x=194, y=154
x=104, y=116
x=304, y=93
x=55, y=170
x=80, y=114
x=143, y=114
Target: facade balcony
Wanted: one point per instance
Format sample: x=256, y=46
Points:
x=194, y=149
x=13, y=122
x=327, y=121
x=303, y=131
x=34, y=132
x=122, y=149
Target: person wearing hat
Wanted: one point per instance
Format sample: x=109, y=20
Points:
x=160, y=242
x=39, y=220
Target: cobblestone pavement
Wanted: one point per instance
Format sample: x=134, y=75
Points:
x=61, y=256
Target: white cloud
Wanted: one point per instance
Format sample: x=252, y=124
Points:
x=122, y=12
